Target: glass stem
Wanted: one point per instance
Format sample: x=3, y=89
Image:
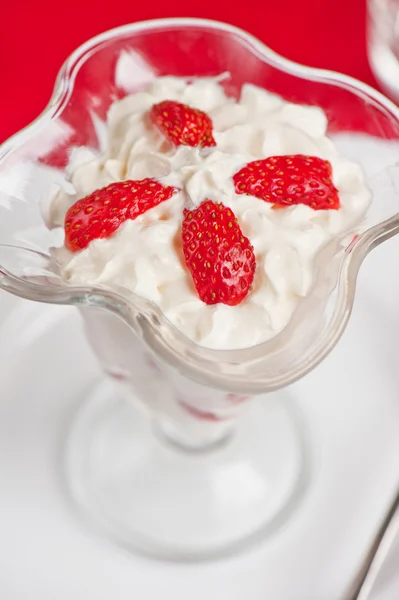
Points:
x=196, y=436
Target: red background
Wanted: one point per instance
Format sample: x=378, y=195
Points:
x=37, y=35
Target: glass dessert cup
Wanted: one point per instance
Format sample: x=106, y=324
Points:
x=185, y=452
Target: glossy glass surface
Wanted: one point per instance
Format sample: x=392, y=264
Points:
x=122, y=61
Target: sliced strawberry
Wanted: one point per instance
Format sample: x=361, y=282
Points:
x=201, y=414
x=234, y=399
x=219, y=257
x=183, y=125
x=288, y=180
x=101, y=213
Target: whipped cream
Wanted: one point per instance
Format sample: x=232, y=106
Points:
x=145, y=257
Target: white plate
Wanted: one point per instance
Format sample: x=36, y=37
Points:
x=352, y=406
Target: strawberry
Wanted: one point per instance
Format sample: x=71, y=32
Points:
x=201, y=414
x=183, y=125
x=99, y=214
x=288, y=180
x=219, y=257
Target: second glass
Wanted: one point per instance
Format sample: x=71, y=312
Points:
x=383, y=43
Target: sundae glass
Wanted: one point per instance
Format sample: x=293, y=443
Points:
x=183, y=451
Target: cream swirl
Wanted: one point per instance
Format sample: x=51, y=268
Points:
x=144, y=256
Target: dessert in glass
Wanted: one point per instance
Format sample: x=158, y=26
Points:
x=199, y=208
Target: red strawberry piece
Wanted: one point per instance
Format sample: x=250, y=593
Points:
x=99, y=214
x=288, y=180
x=202, y=415
x=219, y=257
x=183, y=125
x=234, y=399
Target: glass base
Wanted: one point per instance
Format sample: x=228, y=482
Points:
x=151, y=496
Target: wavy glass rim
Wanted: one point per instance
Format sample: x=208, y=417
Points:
x=212, y=367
